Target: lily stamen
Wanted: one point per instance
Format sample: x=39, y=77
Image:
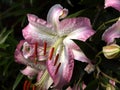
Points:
x=33, y=87
x=45, y=47
x=56, y=59
x=26, y=85
x=57, y=68
x=51, y=53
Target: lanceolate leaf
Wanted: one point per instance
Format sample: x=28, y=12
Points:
x=17, y=81
x=4, y=34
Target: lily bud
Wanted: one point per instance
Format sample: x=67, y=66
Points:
x=111, y=51
x=110, y=87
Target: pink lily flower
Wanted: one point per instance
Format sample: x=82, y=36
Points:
x=58, y=34
x=113, y=3
x=111, y=33
x=34, y=57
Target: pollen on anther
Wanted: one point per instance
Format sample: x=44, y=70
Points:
x=56, y=59
x=57, y=68
x=45, y=47
x=51, y=53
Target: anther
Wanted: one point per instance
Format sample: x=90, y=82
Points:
x=57, y=68
x=51, y=53
x=28, y=86
x=33, y=87
x=25, y=85
x=45, y=46
x=56, y=59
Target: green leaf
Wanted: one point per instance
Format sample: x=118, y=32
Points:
x=4, y=46
x=86, y=48
x=106, y=65
x=17, y=81
x=4, y=34
x=92, y=85
x=76, y=14
x=97, y=36
x=117, y=41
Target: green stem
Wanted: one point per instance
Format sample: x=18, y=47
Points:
x=110, y=21
x=98, y=56
x=110, y=77
x=107, y=76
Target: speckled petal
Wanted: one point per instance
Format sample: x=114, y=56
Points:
x=64, y=73
x=113, y=3
x=111, y=33
x=71, y=24
x=82, y=34
x=30, y=72
x=38, y=31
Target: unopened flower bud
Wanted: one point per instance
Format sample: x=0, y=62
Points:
x=110, y=87
x=111, y=51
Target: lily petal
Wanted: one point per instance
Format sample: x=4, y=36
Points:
x=19, y=58
x=38, y=30
x=82, y=33
x=18, y=54
x=55, y=13
x=72, y=24
x=64, y=72
x=27, y=50
x=30, y=72
x=80, y=56
x=111, y=33
x=44, y=81
x=113, y=3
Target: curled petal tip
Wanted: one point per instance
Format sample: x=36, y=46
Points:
x=55, y=13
